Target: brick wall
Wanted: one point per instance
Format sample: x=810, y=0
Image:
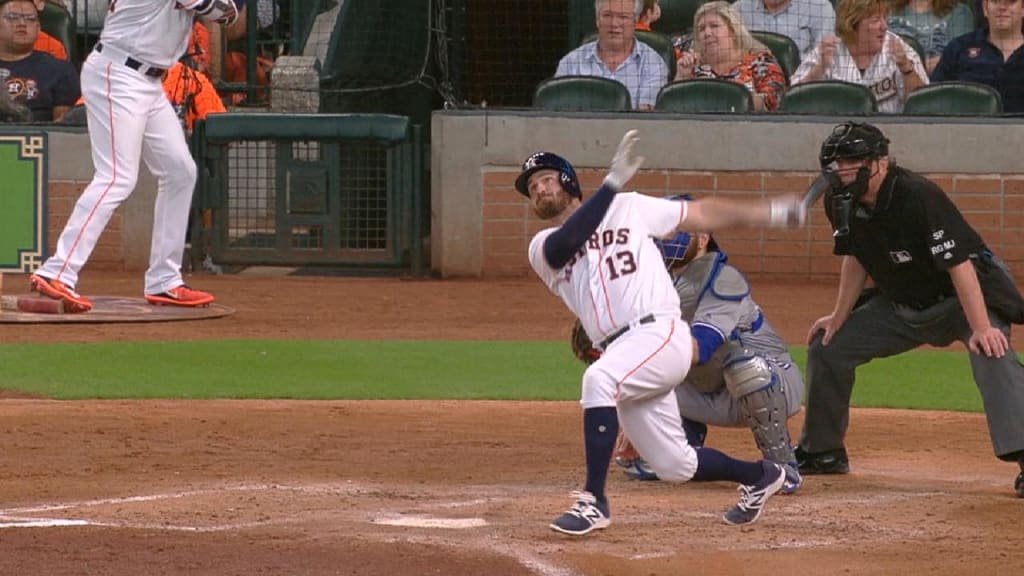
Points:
x=109, y=252
x=993, y=204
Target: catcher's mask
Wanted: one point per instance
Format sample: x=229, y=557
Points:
x=852, y=141
x=549, y=161
x=674, y=250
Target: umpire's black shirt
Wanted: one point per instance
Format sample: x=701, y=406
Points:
x=910, y=240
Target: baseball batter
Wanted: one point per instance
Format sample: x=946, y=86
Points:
x=602, y=262
x=130, y=119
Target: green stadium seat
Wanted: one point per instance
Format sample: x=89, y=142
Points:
x=569, y=93
x=56, y=21
x=954, y=99
x=704, y=95
x=677, y=16
x=662, y=44
x=828, y=97
x=783, y=47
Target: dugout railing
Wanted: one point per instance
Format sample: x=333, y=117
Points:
x=343, y=191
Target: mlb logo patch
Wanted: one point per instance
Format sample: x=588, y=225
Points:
x=973, y=52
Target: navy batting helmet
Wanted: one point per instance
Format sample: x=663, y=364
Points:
x=549, y=161
x=853, y=140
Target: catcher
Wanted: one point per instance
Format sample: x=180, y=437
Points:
x=730, y=331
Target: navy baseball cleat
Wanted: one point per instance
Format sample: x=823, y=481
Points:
x=637, y=469
x=793, y=479
x=753, y=497
x=828, y=462
x=586, y=515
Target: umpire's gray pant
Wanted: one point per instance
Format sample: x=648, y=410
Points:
x=879, y=329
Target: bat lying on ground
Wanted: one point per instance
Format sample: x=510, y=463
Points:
x=37, y=305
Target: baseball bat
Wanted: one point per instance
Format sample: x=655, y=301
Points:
x=31, y=304
x=818, y=187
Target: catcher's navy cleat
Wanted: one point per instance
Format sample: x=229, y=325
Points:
x=793, y=479
x=753, y=497
x=586, y=515
x=637, y=469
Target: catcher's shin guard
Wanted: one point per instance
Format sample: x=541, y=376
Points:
x=762, y=401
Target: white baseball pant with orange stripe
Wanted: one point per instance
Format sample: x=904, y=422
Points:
x=129, y=119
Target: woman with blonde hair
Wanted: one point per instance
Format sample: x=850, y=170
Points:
x=933, y=23
x=723, y=48
x=867, y=53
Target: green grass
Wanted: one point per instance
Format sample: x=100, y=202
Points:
x=323, y=369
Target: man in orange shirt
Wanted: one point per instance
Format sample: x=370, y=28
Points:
x=47, y=43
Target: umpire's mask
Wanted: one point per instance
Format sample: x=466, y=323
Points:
x=849, y=140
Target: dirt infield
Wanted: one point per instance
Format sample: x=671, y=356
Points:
x=454, y=488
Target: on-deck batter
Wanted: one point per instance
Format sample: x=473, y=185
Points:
x=130, y=119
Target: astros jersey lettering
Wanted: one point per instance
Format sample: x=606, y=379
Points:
x=610, y=281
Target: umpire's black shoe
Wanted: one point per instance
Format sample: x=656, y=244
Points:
x=1019, y=485
x=828, y=462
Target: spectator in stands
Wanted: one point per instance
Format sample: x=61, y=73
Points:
x=650, y=14
x=45, y=42
x=617, y=55
x=866, y=53
x=933, y=23
x=990, y=55
x=11, y=111
x=46, y=85
x=192, y=94
x=723, y=48
x=807, y=22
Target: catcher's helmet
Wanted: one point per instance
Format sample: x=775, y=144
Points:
x=673, y=249
x=853, y=140
x=549, y=161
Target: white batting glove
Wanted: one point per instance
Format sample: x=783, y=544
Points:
x=624, y=164
x=786, y=212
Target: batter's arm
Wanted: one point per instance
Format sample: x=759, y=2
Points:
x=710, y=214
x=985, y=339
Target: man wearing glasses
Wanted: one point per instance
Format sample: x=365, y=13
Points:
x=935, y=283
x=617, y=55
x=44, y=84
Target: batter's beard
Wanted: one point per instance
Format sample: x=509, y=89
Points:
x=550, y=207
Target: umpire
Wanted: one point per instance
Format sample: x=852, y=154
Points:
x=935, y=282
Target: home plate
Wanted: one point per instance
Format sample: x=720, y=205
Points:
x=414, y=521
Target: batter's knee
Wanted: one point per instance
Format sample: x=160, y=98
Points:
x=598, y=388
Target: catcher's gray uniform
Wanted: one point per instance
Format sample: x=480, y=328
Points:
x=761, y=387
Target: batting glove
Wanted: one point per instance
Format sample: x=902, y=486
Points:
x=624, y=164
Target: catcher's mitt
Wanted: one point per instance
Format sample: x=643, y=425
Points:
x=582, y=347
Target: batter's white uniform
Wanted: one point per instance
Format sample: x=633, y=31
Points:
x=130, y=119
x=882, y=76
x=617, y=278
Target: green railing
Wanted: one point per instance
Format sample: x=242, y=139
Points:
x=338, y=190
